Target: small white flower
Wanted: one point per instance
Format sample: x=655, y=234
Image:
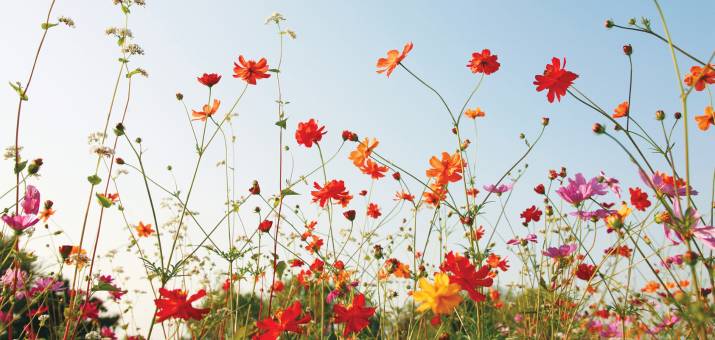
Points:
x=275, y=17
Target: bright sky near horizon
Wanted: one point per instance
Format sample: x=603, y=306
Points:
x=328, y=73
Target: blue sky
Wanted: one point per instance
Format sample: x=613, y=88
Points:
x=329, y=74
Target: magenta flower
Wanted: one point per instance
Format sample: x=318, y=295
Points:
x=332, y=296
x=612, y=183
x=46, y=284
x=562, y=251
x=578, y=190
x=502, y=188
x=590, y=215
x=665, y=184
x=31, y=201
x=20, y=222
x=689, y=220
x=523, y=241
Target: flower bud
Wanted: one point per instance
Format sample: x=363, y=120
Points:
x=677, y=115
x=598, y=128
x=690, y=258
x=265, y=226
x=544, y=121
x=119, y=160
x=627, y=49
x=179, y=96
x=396, y=176
x=609, y=23
x=350, y=215
x=349, y=136
x=539, y=189
x=632, y=21
x=659, y=115
x=119, y=129
x=255, y=188
x=34, y=167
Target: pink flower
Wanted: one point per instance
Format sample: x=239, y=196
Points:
x=589, y=215
x=612, y=184
x=661, y=182
x=578, y=190
x=562, y=251
x=502, y=188
x=31, y=201
x=20, y=222
x=528, y=238
x=689, y=220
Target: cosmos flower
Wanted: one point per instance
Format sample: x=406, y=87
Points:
x=708, y=118
x=334, y=190
x=559, y=252
x=494, y=189
x=484, y=62
x=177, y=304
x=555, y=79
x=464, y=273
x=663, y=183
x=355, y=316
x=206, y=112
x=700, y=77
x=393, y=59
x=288, y=320
x=448, y=169
x=250, y=70
x=209, y=79
x=309, y=133
x=441, y=296
x=579, y=190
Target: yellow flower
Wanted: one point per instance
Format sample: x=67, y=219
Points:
x=441, y=296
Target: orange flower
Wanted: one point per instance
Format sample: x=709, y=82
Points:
x=447, y=170
x=376, y=171
x=402, y=270
x=699, y=77
x=393, y=59
x=621, y=110
x=373, y=210
x=363, y=151
x=435, y=195
x=206, y=112
x=706, y=119
x=314, y=245
x=251, y=70
x=46, y=213
x=474, y=113
x=144, y=230
x=401, y=195
x=651, y=287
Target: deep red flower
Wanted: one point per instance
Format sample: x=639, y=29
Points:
x=355, y=317
x=90, y=310
x=585, y=271
x=251, y=70
x=332, y=190
x=531, y=214
x=539, y=189
x=317, y=266
x=373, y=169
x=555, y=79
x=373, y=210
x=175, y=304
x=296, y=263
x=639, y=199
x=209, y=79
x=265, y=226
x=484, y=62
x=288, y=320
x=349, y=136
x=278, y=286
x=463, y=273
x=308, y=133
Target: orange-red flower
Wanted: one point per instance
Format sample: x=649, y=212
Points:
x=372, y=168
x=207, y=111
x=495, y=261
x=555, y=79
x=394, y=57
x=315, y=244
x=332, y=190
x=650, y=287
x=447, y=170
x=363, y=151
x=209, y=79
x=585, y=271
x=434, y=195
x=484, y=62
x=707, y=119
x=308, y=133
x=401, y=195
x=621, y=110
x=474, y=113
x=176, y=304
x=639, y=199
x=144, y=230
x=250, y=70
x=288, y=320
x=699, y=77
x=355, y=316
x=373, y=210
x=463, y=273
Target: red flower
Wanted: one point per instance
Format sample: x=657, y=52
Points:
x=175, y=304
x=296, y=263
x=286, y=321
x=531, y=214
x=373, y=210
x=699, y=77
x=309, y=133
x=372, y=168
x=90, y=310
x=585, y=271
x=355, y=317
x=539, y=189
x=555, y=79
x=278, y=286
x=463, y=273
x=250, y=70
x=265, y=226
x=349, y=135
x=484, y=62
x=209, y=79
x=332, y=190
x=639, y=199
x=317, y=266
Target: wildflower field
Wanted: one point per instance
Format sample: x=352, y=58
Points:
x=247, y=203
